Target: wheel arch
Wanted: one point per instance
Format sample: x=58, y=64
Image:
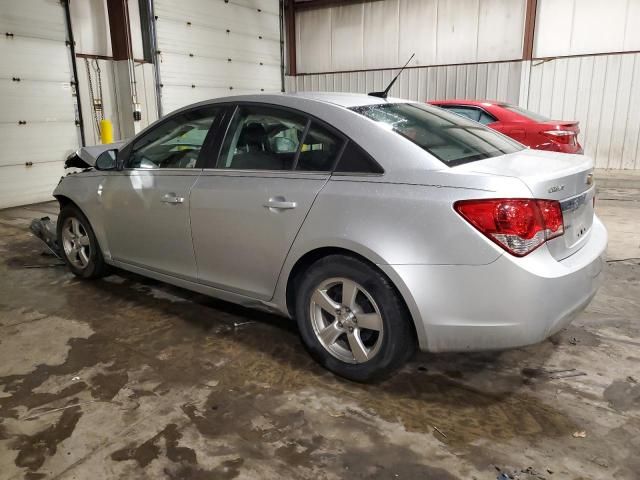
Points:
x=94, y=221
x=309, y=258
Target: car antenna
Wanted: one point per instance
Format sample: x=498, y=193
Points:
x=386, y=90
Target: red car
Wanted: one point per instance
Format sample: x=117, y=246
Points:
x=528, y=128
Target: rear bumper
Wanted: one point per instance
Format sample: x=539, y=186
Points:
x=508, y=303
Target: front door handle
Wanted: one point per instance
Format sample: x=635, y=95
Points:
x=172, y=198
x=280, y=203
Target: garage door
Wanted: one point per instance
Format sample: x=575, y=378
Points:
x=212, y=48
x=37, y=118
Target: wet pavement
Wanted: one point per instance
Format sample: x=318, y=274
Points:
x=127, y=377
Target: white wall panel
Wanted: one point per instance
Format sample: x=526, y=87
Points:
x=577, y=27
x=313, y=39
x=419, y=33
x=216, y=48
x=42, y=179
x=40, y=142
x=500, y=29
x=457, y=31
x=29, y=18
x=380, y=30
x=31, y=101
x=347, y=32
x=497, y=81
x=35, y=87
x=385, y=33
x=602, y=94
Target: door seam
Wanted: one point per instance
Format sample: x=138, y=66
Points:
x=275, y=287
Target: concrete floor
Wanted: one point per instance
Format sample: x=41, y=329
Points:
x=129, y=378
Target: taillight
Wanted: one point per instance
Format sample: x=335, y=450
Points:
x=565, y=137
x=518, y=225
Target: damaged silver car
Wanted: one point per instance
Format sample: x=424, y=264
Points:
x=380, y=225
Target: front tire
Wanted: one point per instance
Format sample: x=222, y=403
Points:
x=78, y=244
x=352, y=320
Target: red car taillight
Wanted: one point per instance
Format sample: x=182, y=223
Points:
x=518, y=225
x=564, y=137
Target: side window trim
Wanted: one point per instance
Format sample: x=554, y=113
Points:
x=213, y=145
x=294, y=165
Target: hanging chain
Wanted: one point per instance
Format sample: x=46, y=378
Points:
x=92, y=98
x=99, y=78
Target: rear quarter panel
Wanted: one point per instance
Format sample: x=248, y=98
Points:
x=399, y=223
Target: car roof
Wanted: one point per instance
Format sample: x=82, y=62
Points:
x=345, y=99
x=341, y=99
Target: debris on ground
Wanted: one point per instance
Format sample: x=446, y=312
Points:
x=632, y=379
x=580, y=434
x=600, y=462
x=44, y=265
x=241, y=324
x=439, y=431
x=528, y=473
x=45, y=230
x=551, y=374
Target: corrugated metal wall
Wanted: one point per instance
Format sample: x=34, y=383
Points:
x=579, y=27
x=498, y=81
x=384, y=34
x=603, y=93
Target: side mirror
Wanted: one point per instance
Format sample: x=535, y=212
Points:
x=107, y=160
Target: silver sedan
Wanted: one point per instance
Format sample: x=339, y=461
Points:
x=380, y=225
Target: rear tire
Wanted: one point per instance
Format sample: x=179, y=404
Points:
x=352, y=320
x=78, y=244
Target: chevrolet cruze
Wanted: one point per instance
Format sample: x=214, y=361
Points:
x=380, y=225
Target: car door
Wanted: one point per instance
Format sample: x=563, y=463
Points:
x=246, y=212
x=147, y=203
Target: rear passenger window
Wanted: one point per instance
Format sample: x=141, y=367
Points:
x=356, y=160
x=320, y=149
x=262, y=138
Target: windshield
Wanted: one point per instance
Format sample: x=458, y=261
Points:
x=450, y=138
x=536, y=117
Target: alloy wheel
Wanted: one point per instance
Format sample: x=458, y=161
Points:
x=76, y=243
x=346, y=320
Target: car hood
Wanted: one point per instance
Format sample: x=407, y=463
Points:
x=86, y=157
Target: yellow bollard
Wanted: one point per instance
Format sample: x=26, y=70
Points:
x=106, y=131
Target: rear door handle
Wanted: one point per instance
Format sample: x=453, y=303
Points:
x=171, y=198
x=279, y=203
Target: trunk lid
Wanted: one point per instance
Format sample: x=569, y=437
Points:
x=562, y=125
x=553, y=176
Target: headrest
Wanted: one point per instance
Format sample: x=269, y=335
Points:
x=252, y=134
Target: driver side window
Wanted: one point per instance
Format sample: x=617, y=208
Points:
x=176, y=143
